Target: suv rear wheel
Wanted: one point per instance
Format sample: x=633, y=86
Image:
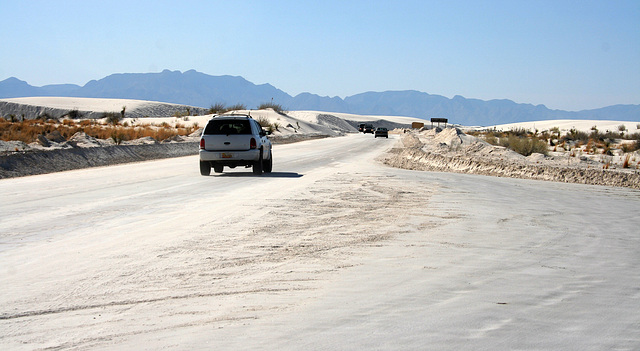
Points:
x=267, y=166
x=257, y=166
x=205, y=168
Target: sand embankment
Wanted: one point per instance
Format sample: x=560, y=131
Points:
x=459, y=153
x=49, y=161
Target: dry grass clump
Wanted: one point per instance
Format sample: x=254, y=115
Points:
x=276, y=107
x=525, y=145
x=28, y=130
x=220, y=108
x=519, y=140
x=266, y=124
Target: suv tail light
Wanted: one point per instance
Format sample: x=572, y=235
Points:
x=253, y=144
x=202, y=144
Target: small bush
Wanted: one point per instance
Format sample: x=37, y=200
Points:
x=575, y=135
x=186, y=112
x=276, y=107
x=263, y=121
x=631, y=147
x=266, y=124
x=118, y=137
x=236, y=107
x=525, y=145
x=73, y=114
x=519, y=132
x=217, y=108
x=491, y=139
x=112, y=117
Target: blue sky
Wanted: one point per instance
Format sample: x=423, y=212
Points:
x=570, y=55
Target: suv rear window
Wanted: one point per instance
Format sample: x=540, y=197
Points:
x=227, y=127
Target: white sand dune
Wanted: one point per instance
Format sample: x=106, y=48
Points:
x=566, y=125
x=33, y=107
x=82, y=104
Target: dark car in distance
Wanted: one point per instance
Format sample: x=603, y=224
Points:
x=381, y=132
x=368, y=128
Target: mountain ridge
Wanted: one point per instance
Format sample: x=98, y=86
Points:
x=201, y=90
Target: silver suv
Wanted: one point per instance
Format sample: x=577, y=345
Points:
x=234, y=140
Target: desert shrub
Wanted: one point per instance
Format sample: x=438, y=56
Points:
x=630, y=147
x=217, y=108
x=263, y=121
x=276, y=107
x=622, y=128
x=267, y=125
x=525, y=145
x=186, y=112
x=236, y=107
x=112, y=117
x=73, y=114
x=118, y=136
x=491, y=139
x=519, y=132
x=576, y=135
x=545, y=135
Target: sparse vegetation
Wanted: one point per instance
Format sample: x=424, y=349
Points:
x=218, y=108
x=237, y=107
x=186, y=112
x=276, y=107
x=73, y=114
x=29, y=130
x=112, y=117
x=525, y=145
x=576, y=143
x=519, y=140
x=266, y=124
x=622, y=129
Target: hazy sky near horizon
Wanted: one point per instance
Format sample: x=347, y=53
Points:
x=570, y=55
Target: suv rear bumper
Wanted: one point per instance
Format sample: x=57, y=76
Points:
x=231, y=157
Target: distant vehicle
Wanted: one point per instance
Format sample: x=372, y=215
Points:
x=381, y=132
x=234, y=140
x=368, y=128
x=361, y=127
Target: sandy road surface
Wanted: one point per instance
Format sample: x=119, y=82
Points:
x=337, y=252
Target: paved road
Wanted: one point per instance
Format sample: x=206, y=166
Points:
x=331, y=251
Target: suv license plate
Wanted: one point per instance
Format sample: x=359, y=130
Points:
x=226, y=155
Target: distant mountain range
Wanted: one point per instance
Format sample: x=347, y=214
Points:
x=201, y=90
